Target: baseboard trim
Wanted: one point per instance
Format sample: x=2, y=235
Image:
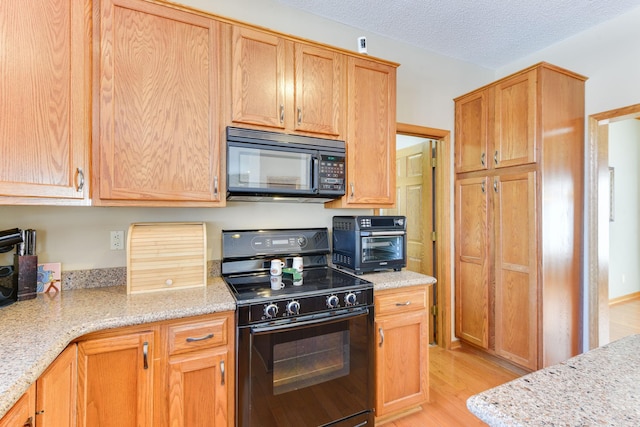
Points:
x=624, y=298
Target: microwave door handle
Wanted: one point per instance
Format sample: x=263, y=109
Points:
x=315, y=175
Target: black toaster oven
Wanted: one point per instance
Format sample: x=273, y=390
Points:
x=364, y=244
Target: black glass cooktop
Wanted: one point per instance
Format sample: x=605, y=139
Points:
x=321, y=280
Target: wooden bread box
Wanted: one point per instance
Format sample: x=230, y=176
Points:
x=166, y=255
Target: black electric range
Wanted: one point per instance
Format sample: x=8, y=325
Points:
x=245, y=268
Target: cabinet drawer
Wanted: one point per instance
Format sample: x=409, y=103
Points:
x=194, y=336
x=409, y=299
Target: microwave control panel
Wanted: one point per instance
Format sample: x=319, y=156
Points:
x=332, y=173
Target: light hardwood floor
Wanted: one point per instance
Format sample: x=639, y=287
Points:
x=624, y=319
x=454, y=376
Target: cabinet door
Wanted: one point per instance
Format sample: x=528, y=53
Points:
x=115, y=381
x=371, y=146
x=472, y=260
x=318, y=75
x=44, y=100
x=258, y=78
x=516, y=298
x=159, y=135
x=471, y=145
x=56, y=391
x=515, y=121
x=402, y=360
x=198, y=389
x=21, y=413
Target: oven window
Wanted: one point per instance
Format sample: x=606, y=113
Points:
x=310, y=361
x=382, y=248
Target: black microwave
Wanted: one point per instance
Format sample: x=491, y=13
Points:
x=271, y=166
x=363, y=244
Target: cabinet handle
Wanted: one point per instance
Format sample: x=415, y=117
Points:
x=381, y=332
x=403, y=304
x=483, y=158
x=145, y=355
x=215, y=186
x=281, y=113
x=482, y=187
x=352, y=188
x=222, y=372
x=28, y=423
x=299, y=115
x=80, y=180
x=202, y=338
x=495, y=185
x=495, y=157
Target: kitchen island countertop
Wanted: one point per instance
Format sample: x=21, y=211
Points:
x=598, y=388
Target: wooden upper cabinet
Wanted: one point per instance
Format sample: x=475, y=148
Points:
x=158, y=106
x=319, y=90
x=371, y=135
x=257, y=78
x=471, y=139
x=514, y=141
x=45, y=101
x=283, y=85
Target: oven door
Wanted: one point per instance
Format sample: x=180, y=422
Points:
x=315, y=373
x=380, y=248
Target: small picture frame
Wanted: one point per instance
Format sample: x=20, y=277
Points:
x=612, y=199
x=49, y=278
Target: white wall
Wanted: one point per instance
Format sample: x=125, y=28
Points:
x=427, y=83
x=624, y=231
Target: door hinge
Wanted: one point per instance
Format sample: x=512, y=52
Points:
x=434, y=162
x=434, y=236
x=434, y=310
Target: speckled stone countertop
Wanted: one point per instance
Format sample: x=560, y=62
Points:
x=396, y=279
x=34, y=332
x=598, y=388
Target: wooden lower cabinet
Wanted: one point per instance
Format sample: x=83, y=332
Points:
x=22, y=413
x=402, y=350
x=200, y=377
x=115, y=380
x=56, y=391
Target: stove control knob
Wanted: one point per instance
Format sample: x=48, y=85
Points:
x=332, y=301
x=293, y=308
x=350, y=298
x=270, y=311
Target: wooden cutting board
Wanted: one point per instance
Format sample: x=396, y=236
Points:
x=166, y=255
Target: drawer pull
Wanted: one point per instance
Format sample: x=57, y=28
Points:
x=403, y=304
x=28, y=423
x=145, y=355
x=222, y=372
x=202, y=338
x=381, y=337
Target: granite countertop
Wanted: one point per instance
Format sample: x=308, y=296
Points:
x=600, y=387
x=34, y=332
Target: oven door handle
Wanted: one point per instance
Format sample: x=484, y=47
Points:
x=383, y=233
x=327, y=319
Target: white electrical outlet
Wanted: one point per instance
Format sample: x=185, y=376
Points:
x=117, y=240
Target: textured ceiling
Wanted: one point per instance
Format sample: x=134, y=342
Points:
x=489, y=33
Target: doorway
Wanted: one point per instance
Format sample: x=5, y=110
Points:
x=429, y=250
x=599, y=214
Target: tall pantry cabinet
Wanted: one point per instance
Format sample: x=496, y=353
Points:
x=519, y=154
